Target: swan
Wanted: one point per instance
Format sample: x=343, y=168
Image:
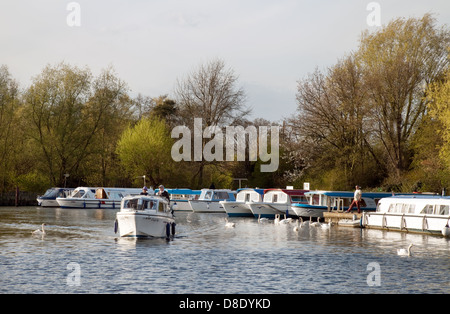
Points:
x=326, y=226
x=299, y=224
x=286, y=221
x=314, y=224
x=277, y=219
x=404, y=252
x=39, y=231
x=261, y=220
x=229, y=224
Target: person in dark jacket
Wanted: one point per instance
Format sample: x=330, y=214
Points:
x=163, y=193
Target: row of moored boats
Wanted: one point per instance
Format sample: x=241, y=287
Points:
x=402, y=212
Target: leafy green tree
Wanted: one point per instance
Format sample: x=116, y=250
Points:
x=399, y=61
x=145, y=149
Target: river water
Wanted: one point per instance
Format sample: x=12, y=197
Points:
x=81, y=254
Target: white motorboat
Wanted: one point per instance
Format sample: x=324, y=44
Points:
x=209, y=200
x=276, y=202
x=49, y=197
x=144, y=216
x=412, y=213
x=335, y=201
x=180, y=198
x=88, y=197
x=240, y=208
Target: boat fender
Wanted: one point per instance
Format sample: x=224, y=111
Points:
x=168, y=230
x=173, y=228
x=446, y=229
x=116, y=225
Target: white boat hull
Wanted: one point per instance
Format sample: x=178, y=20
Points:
x=237, y=209
x=200, y=206
x=181, y=205
x=144, y=225
x=405, y=222
x=263, y=210
x=88, y=203
x=308, y=211
x=47, y=202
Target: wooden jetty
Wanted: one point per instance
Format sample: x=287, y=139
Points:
x=343, y=219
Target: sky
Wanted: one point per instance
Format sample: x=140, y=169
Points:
x=270, y=44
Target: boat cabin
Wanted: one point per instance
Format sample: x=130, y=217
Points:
x=417, y=204
x=141, y=203
x=284, y=196
x=249, y=195
x=214, y=195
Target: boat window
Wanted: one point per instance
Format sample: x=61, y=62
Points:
x=275, y=198
x=443, y=210
x=315, y=199
x=298, y=199
x=247, y=197
x=428, y=209
x=161, y=207
x=78, y=194
x=412, y=208
x=221, y=196
x=363, y=203
x=131, y=204
x=208, y=195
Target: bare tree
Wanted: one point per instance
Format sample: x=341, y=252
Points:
x=210, y=92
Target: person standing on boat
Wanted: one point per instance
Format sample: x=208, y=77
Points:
x=163, y=193
x=356, y=200
x=144, y=191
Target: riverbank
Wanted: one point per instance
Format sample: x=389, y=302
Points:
x=18, y=198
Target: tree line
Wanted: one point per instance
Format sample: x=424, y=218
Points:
x=378, y=118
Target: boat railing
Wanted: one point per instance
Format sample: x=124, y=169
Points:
x=338, y=205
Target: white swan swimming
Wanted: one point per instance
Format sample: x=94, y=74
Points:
x=286, y=221
x=314, y=224
x=277, y=219
x=262, y=220
x=326, y=226
x=405, y=252
x=299, y=224
x=38, y=232
x=229, y=224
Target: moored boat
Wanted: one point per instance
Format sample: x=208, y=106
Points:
x=88, y=197
x=209, y=200
x=49, y=197
x=410, y=213
x=326, y=201
x=180, y=198
x=276, y=202
x=143, y=216
x=239, y=207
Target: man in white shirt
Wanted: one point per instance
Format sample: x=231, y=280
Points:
x=356, y=200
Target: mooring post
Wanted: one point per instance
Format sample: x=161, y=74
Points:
x=17, y=196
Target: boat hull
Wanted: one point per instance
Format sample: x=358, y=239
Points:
x=237, y=209
x=263, y=210
x=142, y=225
x=47, y=202
x=417, y=223
x=181, y=205
x=200, y=206
x=86, y=203
x=305, y=210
